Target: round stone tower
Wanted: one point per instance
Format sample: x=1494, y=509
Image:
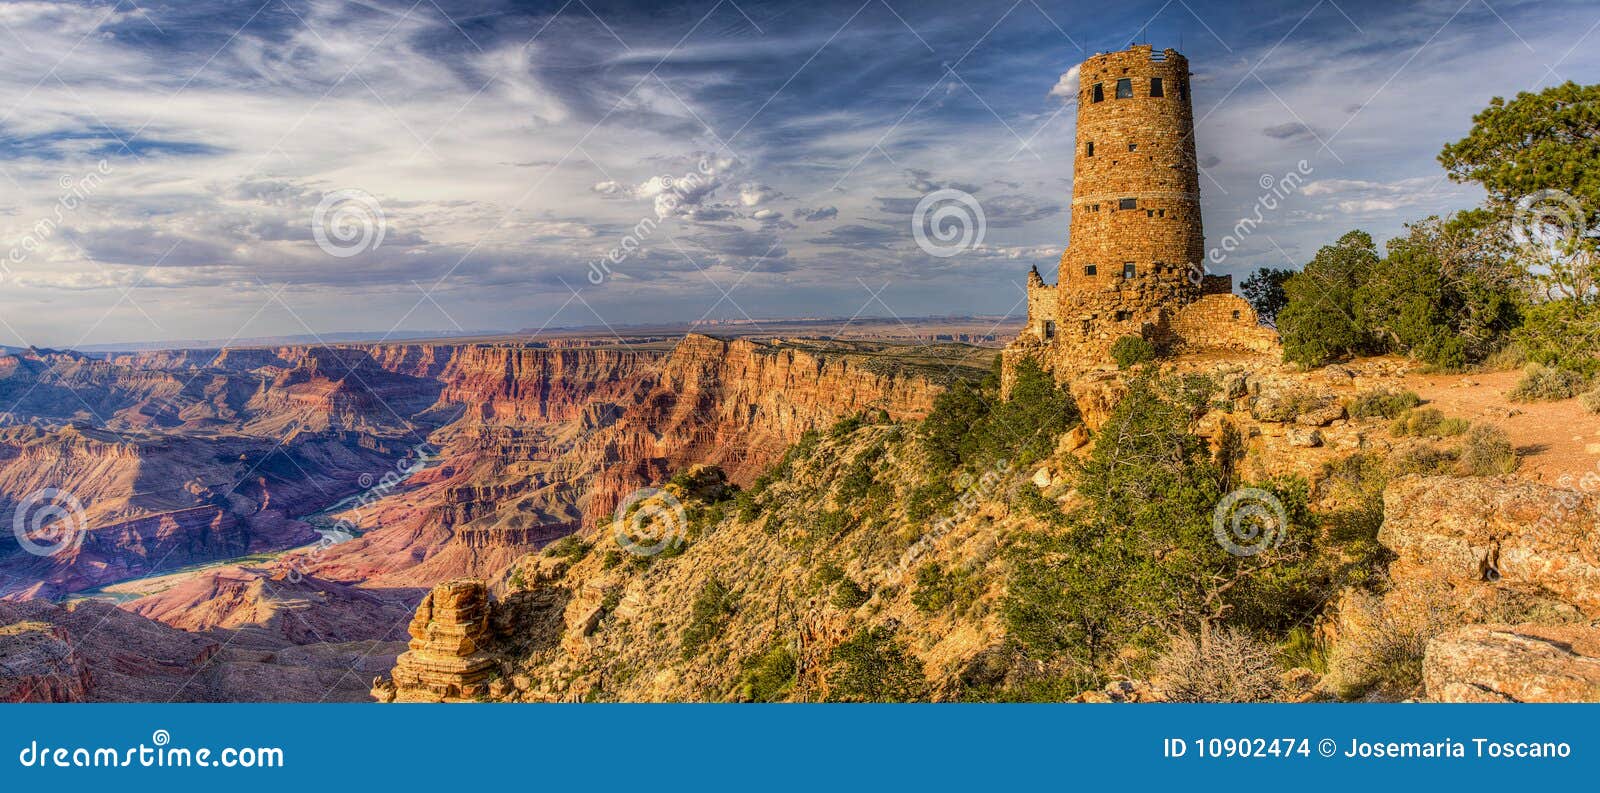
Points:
x=1136, y=249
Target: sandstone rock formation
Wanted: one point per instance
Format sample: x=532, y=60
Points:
x=447, y=660
x=1504, y=663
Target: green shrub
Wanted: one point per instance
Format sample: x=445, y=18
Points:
x=873, y=666
x=1486, y=451
x=1542, y=383
x=848, y=595
x=1383, y=403
x=1417, y=422
x=937, y=589
x=570, y=548
x=768, y=677
x=1131, y=350
x=828, y=574
x=707, y=616
x=1452, y=427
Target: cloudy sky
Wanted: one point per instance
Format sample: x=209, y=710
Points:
x=179, y=170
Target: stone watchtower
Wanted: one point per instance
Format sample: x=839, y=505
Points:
x=1134, y=265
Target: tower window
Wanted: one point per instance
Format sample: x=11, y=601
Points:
x=1050, y=328
x=1098, y=93
x=1124, y=316
x=1155, y=86
x=1183, y=90
x=1133, y=147
x=1088, y=269
x=1088, y=149
x=1125, y=88
x=1128, y=271
x=1235, y=314
x=1127, y=203
x=1149, y=213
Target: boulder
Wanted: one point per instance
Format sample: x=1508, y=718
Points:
x=1502, y=663
x=1489, y=537
x=1303, y=438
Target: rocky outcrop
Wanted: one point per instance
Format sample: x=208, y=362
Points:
x=1503, y=663
x=1493, y=539
x=447, y=660
x=38, y=664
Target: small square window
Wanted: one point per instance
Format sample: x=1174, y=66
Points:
x=1128, y=270
x=1236, y=314
x=1124, y=316
x=1088, y=149
x=1133, y=147
x=1155, y=86
x=1128, y=203
x=1149, y=213
x=1096, y=207
x=1088, y=269
x=1161, y=213
x=1098, y=93
x=1125, y=88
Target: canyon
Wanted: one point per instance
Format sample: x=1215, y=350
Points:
x=184, y=496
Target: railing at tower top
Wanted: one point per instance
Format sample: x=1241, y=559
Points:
x=1158, y=56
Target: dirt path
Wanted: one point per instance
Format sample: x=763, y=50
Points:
x=1554, y=438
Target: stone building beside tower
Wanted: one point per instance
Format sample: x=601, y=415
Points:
x=1134, y=264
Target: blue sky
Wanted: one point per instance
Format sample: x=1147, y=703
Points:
x=177, y=152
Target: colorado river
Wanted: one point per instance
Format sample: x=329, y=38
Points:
x=332, y=532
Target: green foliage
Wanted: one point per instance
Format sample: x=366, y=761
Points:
x=938, y=589
x=861, y=474
x=1541, y=383
x=768, y=677
x=1486, y=451
x=1547, y=140
x=1131, y=351
x=708, y=615
x=929, y=500
x=971, y=428
x=828, y=574
x=848, y=595
x=1564, y=334
x=874, y=666
x=1264, y=290
x=1318, y=324
x=1419, y=422
x=1448, y=293
x=1383, y=403
x=1140, y=557
x=570, y=548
